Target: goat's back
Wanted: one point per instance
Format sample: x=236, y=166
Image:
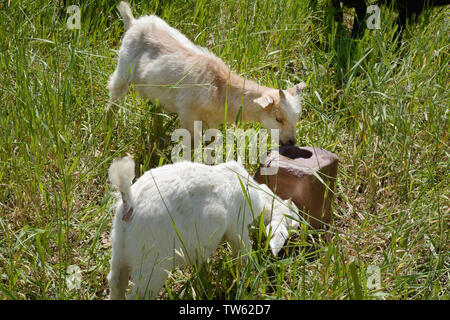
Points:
x=188, y=205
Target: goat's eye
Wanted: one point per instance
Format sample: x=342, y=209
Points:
x=279, y=119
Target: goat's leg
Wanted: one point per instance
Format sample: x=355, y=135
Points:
x=118, y=87
x=240, y=244
x=119, y=272
x=147, y=285
x=118, y=83
x=118, y=280
x=119, y=80
x=188, y=123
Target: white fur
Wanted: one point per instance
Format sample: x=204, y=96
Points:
x=191, y=81
x=181, y=213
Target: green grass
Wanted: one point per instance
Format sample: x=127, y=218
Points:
x=382, y=110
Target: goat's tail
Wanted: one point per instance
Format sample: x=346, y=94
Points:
x=127, y=15
x=121, y=175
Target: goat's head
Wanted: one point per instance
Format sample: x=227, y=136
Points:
x=281, y=110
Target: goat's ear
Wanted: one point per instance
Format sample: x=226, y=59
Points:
x=279, y=237
x=292, y=218
x=295, y=90
x=267, y=214
x=282, y=95
x=289, y=202
x=293, y=222
x=264, y=101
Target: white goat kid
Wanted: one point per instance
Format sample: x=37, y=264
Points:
x=180, y=214
x=192, y=82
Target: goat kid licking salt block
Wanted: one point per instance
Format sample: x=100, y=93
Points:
x=296, y=179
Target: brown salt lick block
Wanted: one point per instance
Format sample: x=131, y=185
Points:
x=295, y=179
